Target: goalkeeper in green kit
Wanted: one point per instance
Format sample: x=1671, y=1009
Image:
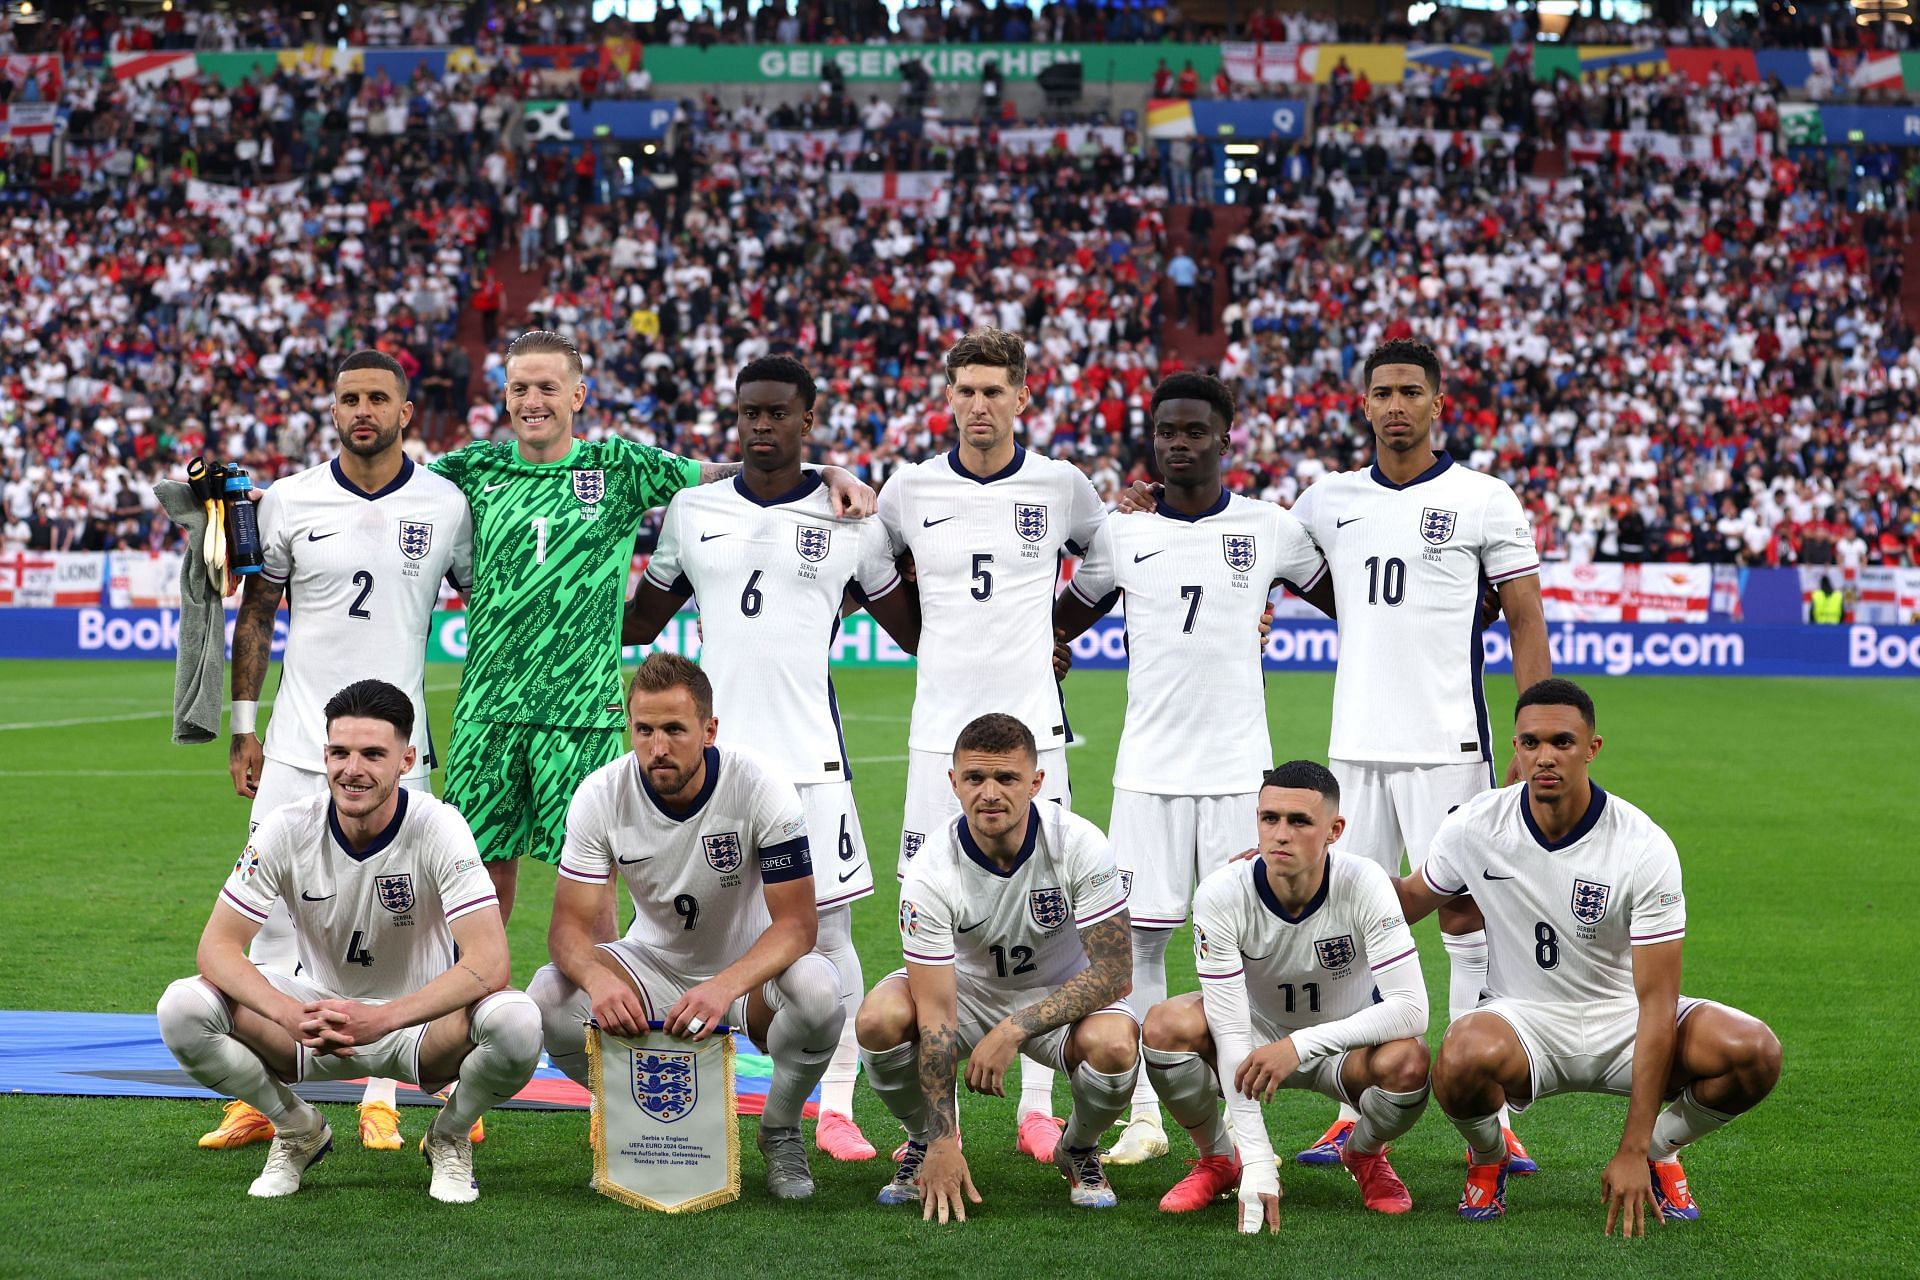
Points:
x=554, y=523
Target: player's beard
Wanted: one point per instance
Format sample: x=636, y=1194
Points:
x=384, y=439
x=376, y=795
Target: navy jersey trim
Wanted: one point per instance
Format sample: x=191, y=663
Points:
x=1161, y=508
x=959, y=468
x=712, y=758
x=1587, y=820
x=1441, y=462
x=381, y=841
x=809, y=481
x=981, y=860
x=833, y=704
x=788, y=860
x=392, y=486
x=1477, y=664
x=1272, y=903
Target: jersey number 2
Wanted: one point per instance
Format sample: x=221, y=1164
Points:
x=358, y=609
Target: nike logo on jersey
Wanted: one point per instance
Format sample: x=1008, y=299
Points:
x=709, y=537
x=628, y=862
x=318, y=537
x=970, y=928
x=489, y=488
x=1488, y=875
x=850, y=875
x=1150, y=555
x=928, y=524
x=308, y=897
x=1341, y=524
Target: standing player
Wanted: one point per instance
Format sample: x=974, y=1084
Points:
x=1585, y=919
x=1014, y=925
x=403, y=959
x=771, y=568
x=713, y=847
x=1414, y=542
x=1196, y=577
x=986, y=525
x=359, y=548
x=554, y=522
x=1308, y=980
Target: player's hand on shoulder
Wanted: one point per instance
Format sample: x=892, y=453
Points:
x=1137, y=497
x=1626, y=1184
x=1263, y=1071
x=1259, y=1201
x=946, y=1184
x=853, y=498
x=1245, y=855
x=245, y=758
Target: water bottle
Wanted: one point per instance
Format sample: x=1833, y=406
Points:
x=243, y=525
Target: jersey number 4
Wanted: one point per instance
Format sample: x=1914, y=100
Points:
x=357, y=952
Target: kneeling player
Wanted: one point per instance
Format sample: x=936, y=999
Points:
x=713, y=848
x=1014, y=925
x=1301, y=952
x=1585, y=918
x=403, y=958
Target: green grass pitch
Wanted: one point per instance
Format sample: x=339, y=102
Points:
x=1791, y=802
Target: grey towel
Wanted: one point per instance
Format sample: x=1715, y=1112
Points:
x=199, y=672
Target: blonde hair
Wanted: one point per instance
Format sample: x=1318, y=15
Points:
x=544, y=341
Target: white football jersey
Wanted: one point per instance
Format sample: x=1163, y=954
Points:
x=986, y=553
x=362, y=572
x=1015, y=930
x=1195, y=587
x=1562, y=919
x=1410, y=563
x=697, y=875
x=769, y=578
x=1306, y=970
x=372, y=925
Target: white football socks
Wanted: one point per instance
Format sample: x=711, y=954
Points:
x=198, y=1029
x=1149, y=989
x=1684, y=1121
x=1186, y=1084
x=835, y=942
x=506, y=1049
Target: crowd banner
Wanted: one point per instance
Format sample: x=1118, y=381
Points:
x=556, y=67
x=665, y=1127
x=893, y=189
x=1626, y=592
x=51, y=579
x=1708, y=151
x=944, y=63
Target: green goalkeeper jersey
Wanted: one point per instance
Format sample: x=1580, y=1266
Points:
x=552, y=543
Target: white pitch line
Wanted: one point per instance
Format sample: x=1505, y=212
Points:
x=105, y=773
x=143, y=715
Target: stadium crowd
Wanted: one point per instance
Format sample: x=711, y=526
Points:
x=1708, y=367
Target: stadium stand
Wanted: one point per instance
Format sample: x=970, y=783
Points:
x=1706, y=362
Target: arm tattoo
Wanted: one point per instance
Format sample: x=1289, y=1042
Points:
x=253, y=637
x=475, y=975
x=1106, y=978
x=711, y=472
x=939, y=1068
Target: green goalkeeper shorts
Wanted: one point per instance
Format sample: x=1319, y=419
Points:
x=514, y=782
